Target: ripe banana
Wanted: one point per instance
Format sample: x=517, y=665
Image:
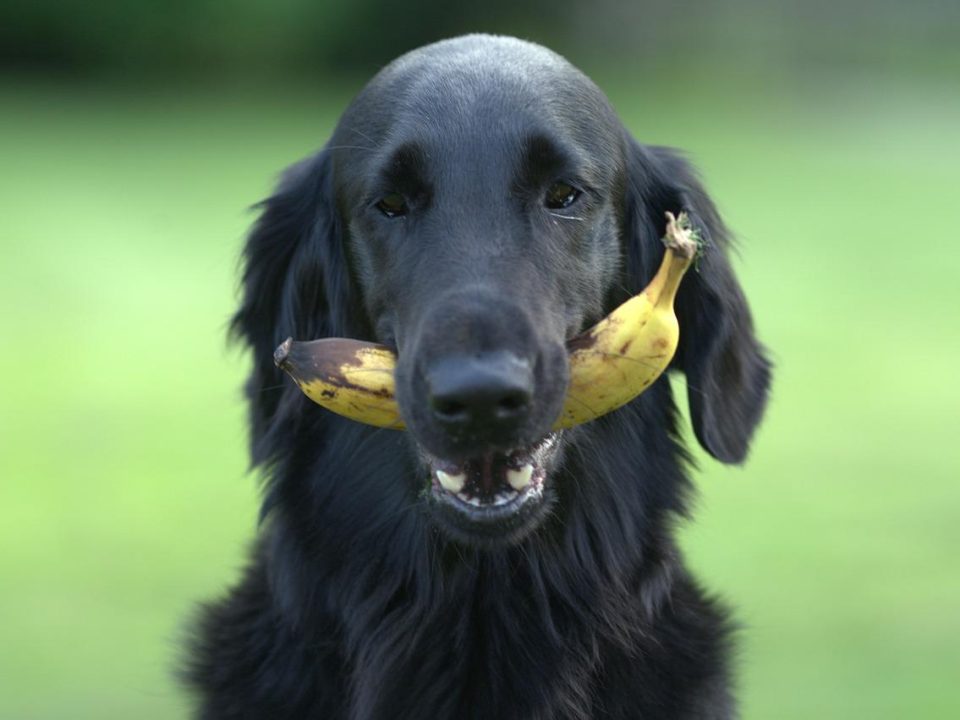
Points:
x=350, y=377
x=621, y=356
x=610, y=364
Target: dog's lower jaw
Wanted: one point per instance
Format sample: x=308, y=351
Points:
x=495, y=499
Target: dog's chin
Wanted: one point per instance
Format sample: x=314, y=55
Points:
x=495, y=499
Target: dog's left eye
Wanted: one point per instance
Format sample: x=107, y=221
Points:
x=393, y=205
x=561, y=195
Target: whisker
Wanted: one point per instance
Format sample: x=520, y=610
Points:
x=362, y=134
x=271, y=388
x=350, y=147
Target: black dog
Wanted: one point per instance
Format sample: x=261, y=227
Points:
x=478, y=204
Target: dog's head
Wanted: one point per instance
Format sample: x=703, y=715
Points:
x=478, y=205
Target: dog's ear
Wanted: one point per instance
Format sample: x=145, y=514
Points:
x=295, y=283
x=727, y=371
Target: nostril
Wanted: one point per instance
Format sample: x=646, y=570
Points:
x=513, y=404
x=450, y=410
x=479, y=392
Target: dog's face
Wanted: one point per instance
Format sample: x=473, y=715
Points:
x=483, y=219
x=485, y=205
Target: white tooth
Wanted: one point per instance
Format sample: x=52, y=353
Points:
x=451, y=483
x=475, y=501
x=519, y=479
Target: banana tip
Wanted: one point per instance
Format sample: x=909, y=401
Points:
x=282, y=351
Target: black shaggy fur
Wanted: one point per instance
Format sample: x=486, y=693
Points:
x=355, y=606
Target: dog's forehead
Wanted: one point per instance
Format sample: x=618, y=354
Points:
x=475, y=93
x=467, y=72
x=475, y=80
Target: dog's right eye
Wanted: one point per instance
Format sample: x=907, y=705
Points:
x=393, y=205
x=561, y=195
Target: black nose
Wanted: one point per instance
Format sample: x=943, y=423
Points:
x=481, y=394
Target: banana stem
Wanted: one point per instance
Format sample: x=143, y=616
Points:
x=683, y=243
x=681, y=236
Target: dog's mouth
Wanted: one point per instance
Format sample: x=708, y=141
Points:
x=492, y=497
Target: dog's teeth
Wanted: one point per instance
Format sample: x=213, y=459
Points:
x=451, y=483
x=469, y=499
x=519, y=479
x=503, y=498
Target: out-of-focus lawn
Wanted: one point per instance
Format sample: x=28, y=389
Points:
x=122, y=449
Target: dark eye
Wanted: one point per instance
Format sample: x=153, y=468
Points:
x=393, y=205
x=561, y=195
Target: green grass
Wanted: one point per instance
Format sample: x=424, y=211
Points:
x=122, y=441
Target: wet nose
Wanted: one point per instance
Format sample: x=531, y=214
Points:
x=480, y=394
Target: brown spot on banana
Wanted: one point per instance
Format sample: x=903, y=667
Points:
x=583, y=341
x=610, y=364
x=350, y=377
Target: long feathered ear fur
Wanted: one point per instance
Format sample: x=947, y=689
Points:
x=295, y=284
x=728, y=373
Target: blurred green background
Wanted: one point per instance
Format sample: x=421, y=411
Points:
x=133, y=135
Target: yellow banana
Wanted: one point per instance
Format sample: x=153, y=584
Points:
x=610, y=364
x=621, y=356
x=350, y=377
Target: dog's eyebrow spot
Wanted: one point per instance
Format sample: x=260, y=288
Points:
x=544, y=160
x=405, y=168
